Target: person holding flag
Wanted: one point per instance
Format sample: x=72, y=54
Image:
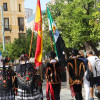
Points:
x=53, y=78
x=57, y=39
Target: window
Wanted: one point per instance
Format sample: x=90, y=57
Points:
x=21, y=23
x=5, y=6
x=6, y=23
x=19, y=7
x=7, y=39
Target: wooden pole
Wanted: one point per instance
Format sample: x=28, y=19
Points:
x=51, y=44
x=31, y=44
x=41, y=71
x=32, y=36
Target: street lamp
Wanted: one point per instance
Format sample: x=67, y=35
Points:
x=3, y=28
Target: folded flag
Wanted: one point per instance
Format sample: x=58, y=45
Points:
x=38, y=29
x=58, y=41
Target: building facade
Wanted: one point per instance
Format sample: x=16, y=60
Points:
x=29, y=18
x=28, y=12
x=29, y=23
x=13, y=15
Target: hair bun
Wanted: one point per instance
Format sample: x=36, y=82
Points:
x=6, y=59
x=24, y=57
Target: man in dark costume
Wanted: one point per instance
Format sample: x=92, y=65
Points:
x=53, y=78
x=76, y=71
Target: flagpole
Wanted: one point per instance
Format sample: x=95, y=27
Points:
x=51, y=38
x=51, y=44
x=32, y=35
x=31, y=44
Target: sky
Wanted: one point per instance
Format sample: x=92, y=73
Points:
x=32, y=4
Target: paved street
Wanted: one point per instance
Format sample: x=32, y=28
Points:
x=65, y=92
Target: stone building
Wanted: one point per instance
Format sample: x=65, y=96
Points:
x=28, y=12
x=13, y=15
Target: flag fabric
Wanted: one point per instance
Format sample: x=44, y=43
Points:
x=58, y=41
x=38, y=29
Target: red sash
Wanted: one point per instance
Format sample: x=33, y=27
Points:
x=50, y=88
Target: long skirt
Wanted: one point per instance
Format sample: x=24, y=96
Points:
x=7, y=96
x=24, y=95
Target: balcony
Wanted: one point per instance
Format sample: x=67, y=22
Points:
x=8, y=28
x=21, y=28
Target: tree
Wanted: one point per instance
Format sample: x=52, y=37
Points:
x=78, y=22
x=19, y=46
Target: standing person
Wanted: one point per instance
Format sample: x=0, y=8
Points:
x=85, y=81
x=6, y=80
x=76, y=71
x=53, y=78
x=29, y=84
x=92, y=59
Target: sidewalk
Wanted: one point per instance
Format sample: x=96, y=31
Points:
x=65, y=92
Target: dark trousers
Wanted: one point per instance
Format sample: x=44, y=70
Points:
x=78, y=91
x=54, y=90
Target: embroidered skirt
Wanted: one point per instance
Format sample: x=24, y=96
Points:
x=7, y=96
x=24, y=95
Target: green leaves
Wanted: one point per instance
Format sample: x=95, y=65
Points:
x=78, y=21
x=20, y=46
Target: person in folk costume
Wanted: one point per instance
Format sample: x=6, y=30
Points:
x=53, y=78
x=29, y=84
x=86, y=83
x=76, y=71
x=6, y=80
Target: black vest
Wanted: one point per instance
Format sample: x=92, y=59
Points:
x=76, y=70
x=53, y=73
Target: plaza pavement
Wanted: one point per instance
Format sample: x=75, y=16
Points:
x=65, y=92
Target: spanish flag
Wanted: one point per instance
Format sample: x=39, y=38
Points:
x=38, y=29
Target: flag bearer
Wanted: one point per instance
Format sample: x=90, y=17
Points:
x=53, y=77
x=29, y=83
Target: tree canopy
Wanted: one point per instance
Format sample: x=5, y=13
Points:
x=78, y=22
x=19, y=46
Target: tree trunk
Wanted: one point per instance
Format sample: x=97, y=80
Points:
x=87, y=47
x=94, y=48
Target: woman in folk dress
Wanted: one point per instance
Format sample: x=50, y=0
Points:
x=26, y=72
x=6, y=80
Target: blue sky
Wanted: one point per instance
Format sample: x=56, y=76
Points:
x=32, y=4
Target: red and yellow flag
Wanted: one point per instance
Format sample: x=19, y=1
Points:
x=38, y=29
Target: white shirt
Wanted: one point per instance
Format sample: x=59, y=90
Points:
x=92, y=61
x=53, y=60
